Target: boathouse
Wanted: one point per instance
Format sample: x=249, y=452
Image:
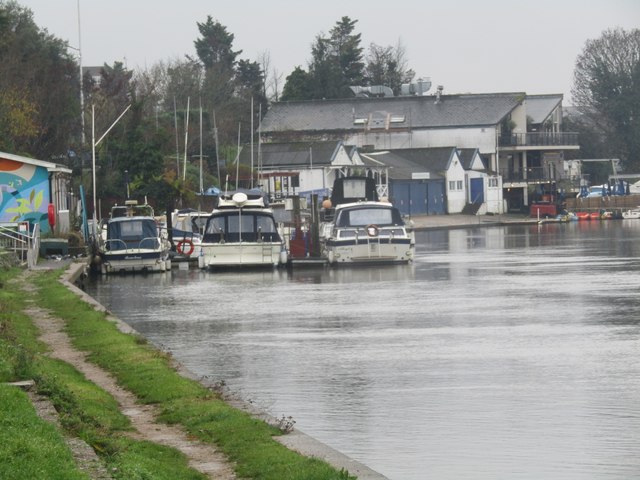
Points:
x=34, y=191
x=522, y=148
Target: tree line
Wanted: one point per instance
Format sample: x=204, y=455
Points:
x=40, y=112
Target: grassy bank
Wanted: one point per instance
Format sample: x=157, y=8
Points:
x=92, y=414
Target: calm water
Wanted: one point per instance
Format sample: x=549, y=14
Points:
x=503, y=352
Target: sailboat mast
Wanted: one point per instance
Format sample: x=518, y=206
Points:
x=238, y=158
x=251, y=171
x=201, y=184
x=175, y=126
x=215, y=137
x=186, y=135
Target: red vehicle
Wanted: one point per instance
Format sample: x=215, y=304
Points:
x=543, y=210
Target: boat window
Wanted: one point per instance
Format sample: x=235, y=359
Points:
x=265, y=224
x=215, y=225
x=368, y=216
x=240, y=223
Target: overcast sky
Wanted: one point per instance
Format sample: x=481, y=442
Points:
x=465, y=45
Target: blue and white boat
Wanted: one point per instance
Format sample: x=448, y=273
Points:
x=132, y=241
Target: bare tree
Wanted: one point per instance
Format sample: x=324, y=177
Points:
x=606, y=90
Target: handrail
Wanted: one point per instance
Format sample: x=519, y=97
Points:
x=117, y=241
x=539, y=139
x=24, y=244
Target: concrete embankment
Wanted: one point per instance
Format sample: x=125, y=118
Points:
x=295, y=440
x=432, y=222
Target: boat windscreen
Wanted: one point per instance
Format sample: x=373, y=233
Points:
x=130, y=230
x=369, y=216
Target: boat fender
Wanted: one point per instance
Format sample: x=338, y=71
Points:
x=185, y=247
x=201, y=263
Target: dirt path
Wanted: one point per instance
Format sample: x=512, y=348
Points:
x=202, y=457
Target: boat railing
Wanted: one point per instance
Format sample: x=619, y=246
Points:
x=148, y=243
x=388, y=231
x=235, y=237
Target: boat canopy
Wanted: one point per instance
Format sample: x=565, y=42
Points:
x=132, y=231
x=237, y=225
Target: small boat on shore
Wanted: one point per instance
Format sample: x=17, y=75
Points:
x=241, y=232
x=362, y=230
x=132, y=241
x=633, y=213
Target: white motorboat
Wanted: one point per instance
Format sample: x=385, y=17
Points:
x=241, y=232
x=187, y=228
x=631, y=213
x=361, y=229
x=132, y=241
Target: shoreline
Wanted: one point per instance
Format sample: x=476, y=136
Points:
x=295, y=440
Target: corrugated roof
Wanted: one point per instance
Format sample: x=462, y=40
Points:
x=539, y=107
x=289, y=155
x=396, y=112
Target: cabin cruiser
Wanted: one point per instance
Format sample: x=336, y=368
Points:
x=241, y=232
x=132, y=241
x=361, y=229
x=187, y=227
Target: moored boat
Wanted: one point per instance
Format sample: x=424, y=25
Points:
x=132, y=241
x=187, y=228
x=633, y=213
x=241, y=232
x=361, y=229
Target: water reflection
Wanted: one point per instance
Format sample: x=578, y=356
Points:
x=503, y=352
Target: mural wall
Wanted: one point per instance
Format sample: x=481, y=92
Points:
x=24, y=193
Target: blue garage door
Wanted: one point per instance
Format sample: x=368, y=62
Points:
x=436, y=200
x=400, y=197
x=418, y=197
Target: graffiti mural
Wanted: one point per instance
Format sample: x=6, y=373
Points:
x=24, y=193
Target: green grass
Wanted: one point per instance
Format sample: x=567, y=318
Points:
x=149, y=375
x=31, y=448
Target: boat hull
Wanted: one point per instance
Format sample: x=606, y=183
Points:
x=369, y=251
x=134, y=260
x=238, y=255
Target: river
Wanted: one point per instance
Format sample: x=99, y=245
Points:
x=501, y=352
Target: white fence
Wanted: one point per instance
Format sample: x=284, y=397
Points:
x=16, y=237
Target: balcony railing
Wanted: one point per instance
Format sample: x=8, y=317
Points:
x=539, y=139
x=532, y=174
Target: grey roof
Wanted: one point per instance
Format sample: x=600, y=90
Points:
x=466, y=157
x=402, y=163
x=291, y=155
x=540, y=107
x=415, y=112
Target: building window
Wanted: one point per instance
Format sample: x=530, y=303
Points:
x=452, y=185
x=459, y=185
x=493, y=182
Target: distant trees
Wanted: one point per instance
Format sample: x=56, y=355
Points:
x=39, y=87
x=338, y=62
x=40, y=102
x=388, y=66
x=606, y=89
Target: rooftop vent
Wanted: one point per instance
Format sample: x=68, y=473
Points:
x=419, y=87
x=373, y=91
